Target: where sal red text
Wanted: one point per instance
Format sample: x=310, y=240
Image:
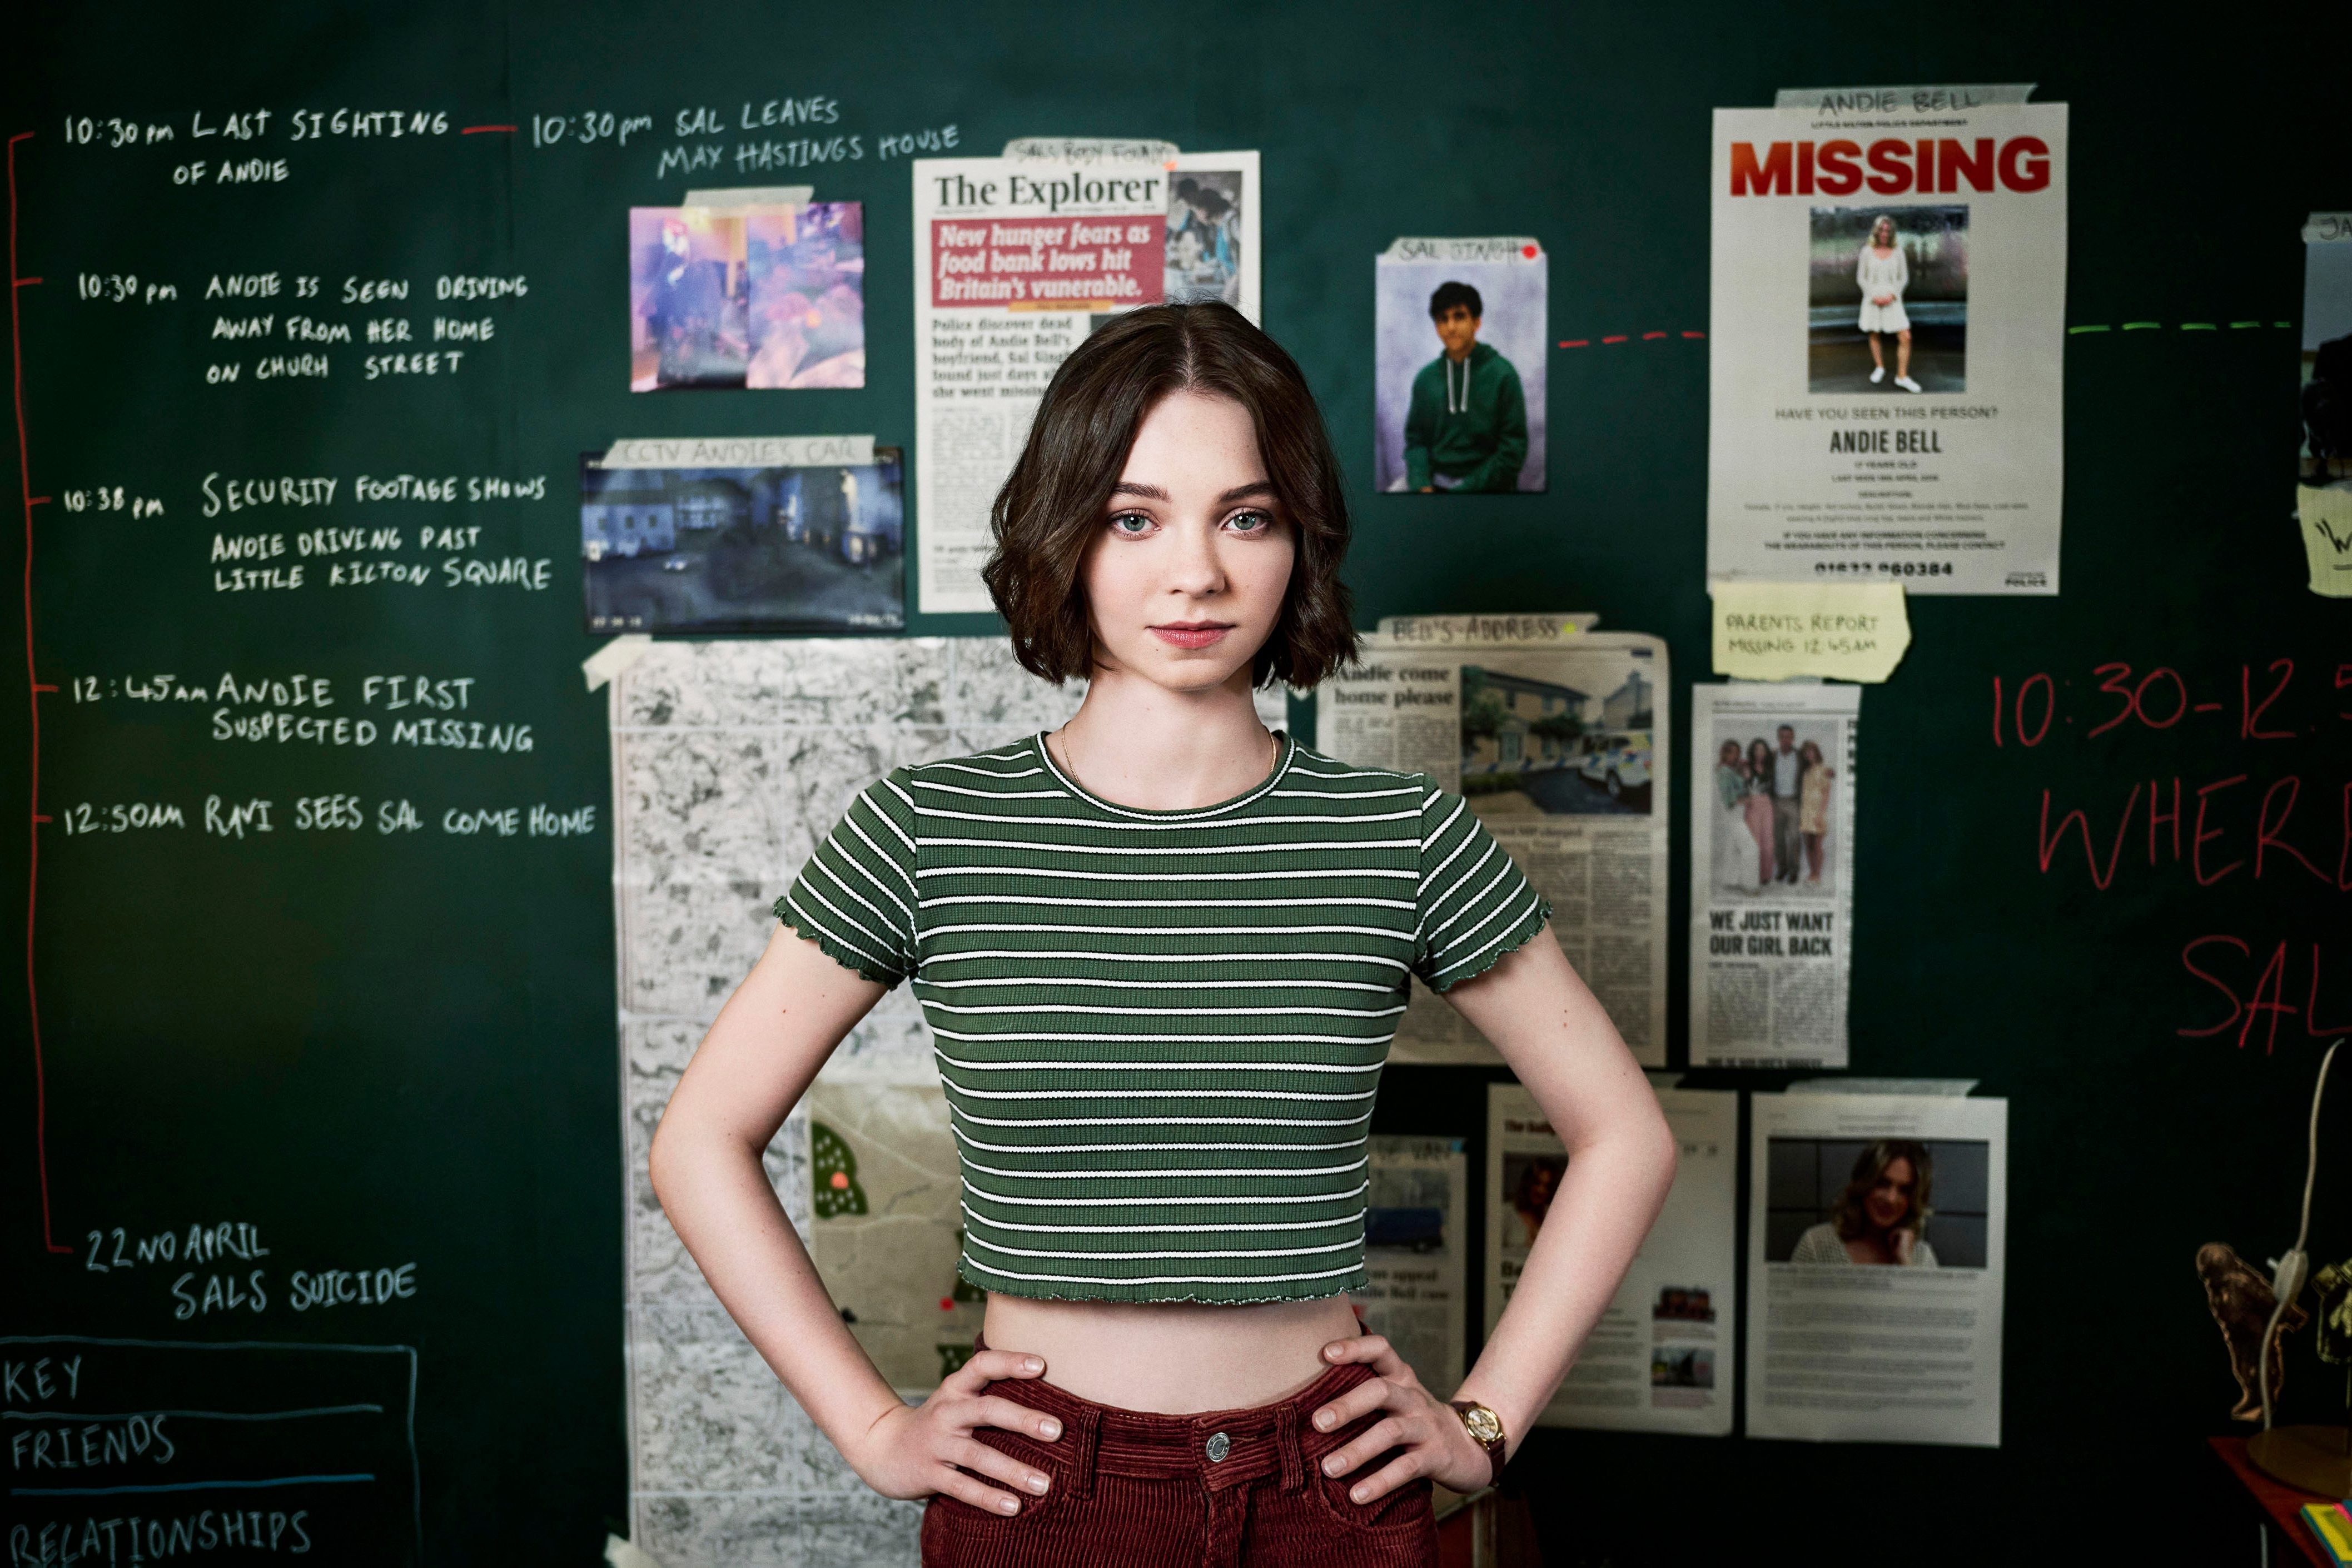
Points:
x=2256, y=816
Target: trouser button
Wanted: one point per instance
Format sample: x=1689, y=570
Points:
x=1219, y=1446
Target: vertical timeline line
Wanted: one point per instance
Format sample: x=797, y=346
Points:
x=33, y=688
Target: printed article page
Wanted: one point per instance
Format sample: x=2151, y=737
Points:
x=1876, y=1239
x=1016, y=259
x=1771, y=873
x=1888, y=330
x=1416, y=1292
x=1663, y=1357
x=1561, y=747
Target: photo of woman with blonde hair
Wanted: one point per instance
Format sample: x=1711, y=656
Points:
x=1881, y=1218
x=1813, y=805
x=1883, y=274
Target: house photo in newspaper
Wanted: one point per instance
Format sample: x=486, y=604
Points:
x=1561, y=749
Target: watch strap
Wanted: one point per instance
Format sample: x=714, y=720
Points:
x=1494, y=1445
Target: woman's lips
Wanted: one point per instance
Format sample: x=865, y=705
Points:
x=1191, y=634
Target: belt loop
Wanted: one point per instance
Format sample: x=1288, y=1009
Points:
x=1081, y=1435
x=1287, y=1439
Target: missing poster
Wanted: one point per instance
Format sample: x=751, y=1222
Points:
x=1459, y=338
x=1417, y=1256
x=1017, y=259
x=1663, y=1357
x=1876, y=1266
x=1887, y=300
x=1561, y=749
x=1772, y=798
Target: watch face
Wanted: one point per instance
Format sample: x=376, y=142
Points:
x=1483, y=1424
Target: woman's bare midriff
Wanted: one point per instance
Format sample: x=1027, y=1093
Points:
x=1173, y=1358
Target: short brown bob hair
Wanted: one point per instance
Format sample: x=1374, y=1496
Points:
x=1051, y=509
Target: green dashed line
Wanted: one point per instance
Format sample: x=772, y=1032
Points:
x=2142, y=326
x=2074, y=330
x=2197, y=326
x=2241, y=325
x=2283, y=324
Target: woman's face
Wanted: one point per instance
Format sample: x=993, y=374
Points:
x=1811, y=753
x=1185, y=577
x=1729, y=756
x=1888, y=1203
x=1759, y=755
x=1882, y=232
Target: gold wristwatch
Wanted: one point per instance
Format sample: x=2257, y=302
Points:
x=1486, y=1429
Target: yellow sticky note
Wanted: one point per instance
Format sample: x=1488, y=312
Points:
x=1770, y=631
x=2327, y=516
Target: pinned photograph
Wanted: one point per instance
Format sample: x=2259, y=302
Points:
x=778, y=547
x=770, y=298
x=1774, y=791
x=2326, y=394
x=1889, y=299
x=1203, y=243
x=1460, y=332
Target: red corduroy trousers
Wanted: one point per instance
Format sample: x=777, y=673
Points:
x=1232, y=1489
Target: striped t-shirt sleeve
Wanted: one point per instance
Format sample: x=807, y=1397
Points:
x=856, y=897
x=1475, y=904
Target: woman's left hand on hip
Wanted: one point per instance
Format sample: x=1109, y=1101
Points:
x=1434, y=1441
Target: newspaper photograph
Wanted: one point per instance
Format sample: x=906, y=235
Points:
x=1018, y=258
x=1663, y=1356
x=1771, y=873
x=1876, y=1266
x=1416, y=1290
x=1887, y=342
x=1561, y=749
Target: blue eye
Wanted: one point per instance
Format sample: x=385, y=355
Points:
x=1251, y=522
x=1119, y=522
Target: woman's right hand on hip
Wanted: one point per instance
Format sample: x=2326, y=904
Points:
x=914, y=1450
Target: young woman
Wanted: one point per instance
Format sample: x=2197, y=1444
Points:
x=1881, y=1215
x=1759, y=807
x=1735, y=842
x=1883, y=275
x=1813, y=805
x=1163, y=951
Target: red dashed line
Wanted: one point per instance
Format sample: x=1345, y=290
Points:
x=27, y=283
x=478, y=129
x=1623, y=338
x=40, y=687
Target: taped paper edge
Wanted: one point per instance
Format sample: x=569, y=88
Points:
x=614, y=659
x=1986, y=93
x=751, y=196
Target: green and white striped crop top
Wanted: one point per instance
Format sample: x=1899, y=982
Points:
x=1160, y=1032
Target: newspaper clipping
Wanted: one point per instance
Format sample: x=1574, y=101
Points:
x=1663, y=1357
x=1416, y=1256
x=1561, y=747
x=1016, y=259
x=1876, y=1266
x=1771, y=873
x=1888, y=359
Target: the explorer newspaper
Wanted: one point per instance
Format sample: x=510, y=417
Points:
x=1772, y=928
x=1887, y=341
x=1016, y=259
x=1562, y=751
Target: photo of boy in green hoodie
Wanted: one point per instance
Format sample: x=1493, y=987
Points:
x=1466, y=426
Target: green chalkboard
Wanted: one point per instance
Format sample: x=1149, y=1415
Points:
x=352, y=1082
